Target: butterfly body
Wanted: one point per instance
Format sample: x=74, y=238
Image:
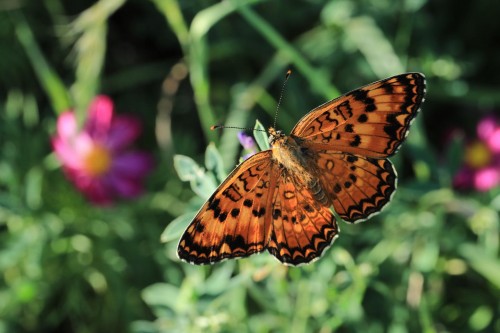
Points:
x=297, y=161
x=279, y=199
x=289, y=156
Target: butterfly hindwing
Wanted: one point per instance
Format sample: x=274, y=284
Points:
x=358, y=187
x=370, y=121
x=302, y=228
x=233, y=222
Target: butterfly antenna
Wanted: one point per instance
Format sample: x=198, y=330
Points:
x=288, y=73
x=214, y=127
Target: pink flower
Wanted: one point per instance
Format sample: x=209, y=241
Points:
x=481, y=169
x=96, y=158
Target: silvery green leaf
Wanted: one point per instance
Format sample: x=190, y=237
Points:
x=214, y=163
x=260, y=135
x=174, y=229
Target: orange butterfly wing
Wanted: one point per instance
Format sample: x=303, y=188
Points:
x=302, y=228
x=235, y=221
x=371, y=121
x=357, y=186
x=352, y=135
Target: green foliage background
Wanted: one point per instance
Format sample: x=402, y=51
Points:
x=428, y=263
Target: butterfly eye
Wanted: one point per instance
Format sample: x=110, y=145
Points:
x=274, y=136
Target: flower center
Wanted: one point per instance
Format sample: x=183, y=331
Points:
x=97, y=161
x=477, y=155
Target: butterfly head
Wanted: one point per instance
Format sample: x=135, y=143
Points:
x=275, y=135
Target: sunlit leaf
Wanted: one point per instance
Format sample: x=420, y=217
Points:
x=175, y=228
x=260, y=135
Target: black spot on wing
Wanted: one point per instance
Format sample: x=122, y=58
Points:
x=199, y=227
x=392, y=126
x=370, y=107
x=259, y=213
x=235, y=212
x=389, y=89
x=360, y=95
x=356, y=141
x=222, y=217
x=351, y=158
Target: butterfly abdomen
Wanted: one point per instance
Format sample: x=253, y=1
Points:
x=317, y=191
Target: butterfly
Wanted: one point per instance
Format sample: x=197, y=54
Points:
x=279, y=199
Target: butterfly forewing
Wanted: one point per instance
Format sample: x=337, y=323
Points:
x=234, y=222
x=371, y=121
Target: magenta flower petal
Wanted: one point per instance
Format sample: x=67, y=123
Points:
x=66, y=153
x=123, y=132
x=494, y=141
x=66, y=125
x=99, y=193
x=100, y=117
x=486, y=179
x=133, y=164
x=124, y=187
x=94, y=189
x=464, y=179
x=486, y=127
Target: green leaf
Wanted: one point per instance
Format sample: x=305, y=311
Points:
x=364, y=32
x=49, y=79
x=481, y=318
x=174, y=229
x=220, y=280
x=260, y=135
x=202, y=183
x=30, y=112
x=455, y=153
x=426, y=256
x=318, y=79
x=34, y=180
x=187, y=168
x=204, y=186
x=161, y=294
x=214, y=163
x=14, y=104
x=482, y=262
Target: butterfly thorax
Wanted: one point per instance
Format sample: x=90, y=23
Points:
x=290, y=156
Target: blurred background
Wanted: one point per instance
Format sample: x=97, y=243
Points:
x=84, y=258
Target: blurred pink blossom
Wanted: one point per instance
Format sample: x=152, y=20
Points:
x=97, y=158
x=481, y=169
